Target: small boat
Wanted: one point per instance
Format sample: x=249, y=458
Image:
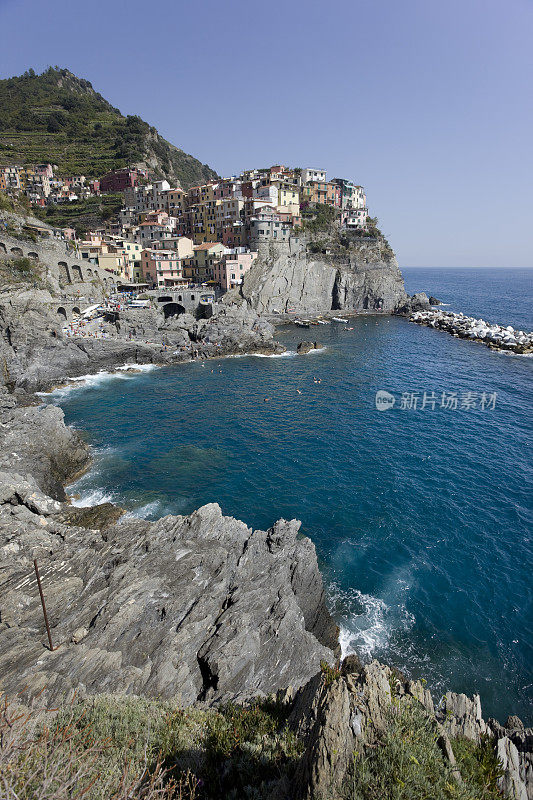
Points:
x=301, y=323
x=339, y=319
x=323, y=321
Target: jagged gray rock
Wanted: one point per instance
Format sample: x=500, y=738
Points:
x=515, y=748
x=290, y=277
x=337, y=713
x=36, y=442
x=197, y=607
x=322, y=716
x=461, y=716
x=34, y=354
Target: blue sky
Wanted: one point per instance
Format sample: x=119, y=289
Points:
x=427, y=104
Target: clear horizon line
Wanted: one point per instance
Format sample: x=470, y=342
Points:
x=433, y=266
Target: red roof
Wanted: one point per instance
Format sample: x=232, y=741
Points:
x=206, y=245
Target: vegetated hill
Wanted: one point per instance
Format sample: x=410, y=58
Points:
x=58, y=118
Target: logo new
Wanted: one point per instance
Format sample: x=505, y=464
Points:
x=384, y=400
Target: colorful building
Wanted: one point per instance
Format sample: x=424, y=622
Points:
x=200, y=267
x=234, y=264
x=352, y=195
x=161, y=267
x=118, y=180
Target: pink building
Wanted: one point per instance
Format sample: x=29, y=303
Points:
x=234, y=264
x=161, y=267
x=44, y=169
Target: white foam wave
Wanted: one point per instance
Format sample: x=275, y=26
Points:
x=138, y=367
x=146, y=511
x=366, y=632
x=366, y=623
x=92, y=497
x=286, y=354
x=93, y=380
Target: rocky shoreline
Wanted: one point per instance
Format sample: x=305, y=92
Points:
x=199, y=609
x=497, y=337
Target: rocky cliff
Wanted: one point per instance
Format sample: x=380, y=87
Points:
x=308, y=276
x=201, y=610
x=198, y=607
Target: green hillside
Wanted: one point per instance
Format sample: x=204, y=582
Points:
x=58, y=118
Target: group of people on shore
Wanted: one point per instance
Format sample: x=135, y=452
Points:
x=82, y=328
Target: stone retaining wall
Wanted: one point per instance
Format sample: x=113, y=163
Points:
x=64, y=267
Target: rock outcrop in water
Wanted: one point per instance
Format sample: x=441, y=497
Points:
x=309, y=276
x=36, y=442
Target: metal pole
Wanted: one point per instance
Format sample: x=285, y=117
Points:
x=43, y=604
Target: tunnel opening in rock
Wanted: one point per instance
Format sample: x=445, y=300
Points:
x=173, y=310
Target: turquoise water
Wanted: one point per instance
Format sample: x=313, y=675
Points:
x=422, y=518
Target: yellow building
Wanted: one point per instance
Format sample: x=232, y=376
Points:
x=200, y=268
x=288, y=194
x=114, y=262
x=177, y=202
x=203, y=221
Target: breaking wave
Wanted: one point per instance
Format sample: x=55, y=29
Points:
x=92, y=497
x=367, y=624
x=94, y=380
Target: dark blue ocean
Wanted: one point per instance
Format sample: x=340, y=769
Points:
x=421, y=515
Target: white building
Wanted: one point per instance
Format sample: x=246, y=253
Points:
x=311, y=175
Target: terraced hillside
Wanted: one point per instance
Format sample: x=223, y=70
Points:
x=59, y=118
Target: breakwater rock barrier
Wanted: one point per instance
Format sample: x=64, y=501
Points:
x=496, y=337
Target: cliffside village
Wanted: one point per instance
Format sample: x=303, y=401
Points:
x=166, y=236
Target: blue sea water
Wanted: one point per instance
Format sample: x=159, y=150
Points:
x=422, y=517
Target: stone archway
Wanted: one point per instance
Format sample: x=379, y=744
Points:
x=173, y=310
x=17, y=252
x=76, y=310
x=165, y=299
x=64, y=274
x=76, y=271
x=33, y=255
x=3, y=248
x=62, y=312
